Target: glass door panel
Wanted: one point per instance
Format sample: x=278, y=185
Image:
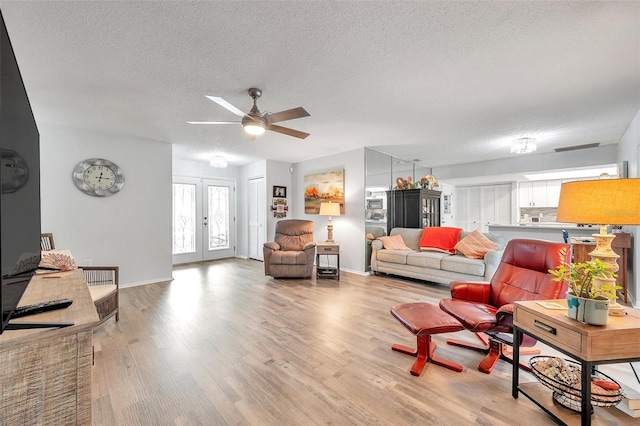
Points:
x=203, y=220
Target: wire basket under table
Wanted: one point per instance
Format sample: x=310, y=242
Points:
x=566, y=386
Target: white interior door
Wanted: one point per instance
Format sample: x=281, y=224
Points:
x=203, y=220
x=257, y=217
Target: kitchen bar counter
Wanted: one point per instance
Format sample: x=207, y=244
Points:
x=543, y=231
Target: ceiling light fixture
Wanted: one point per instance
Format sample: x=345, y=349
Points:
x=255, y=128
x=523, y=146
x=218, y=161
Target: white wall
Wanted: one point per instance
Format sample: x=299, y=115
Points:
x=473, y=173
x=278, y=174
x=348, y=229
x=131, y=229
x=629, y=150
x=201, y=169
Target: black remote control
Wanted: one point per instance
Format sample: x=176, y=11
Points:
x=37, y=308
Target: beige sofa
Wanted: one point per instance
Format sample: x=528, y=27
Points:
x=433, y=265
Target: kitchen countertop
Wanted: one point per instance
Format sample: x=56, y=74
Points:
x=545, y=231
x=550, y=225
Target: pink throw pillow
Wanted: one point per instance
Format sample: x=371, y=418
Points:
x=475, y=245
x=394, y=242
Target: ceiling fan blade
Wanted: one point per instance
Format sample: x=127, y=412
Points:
x=226, y=105
x=214, y=122
x=289, y=114
x=287, y=131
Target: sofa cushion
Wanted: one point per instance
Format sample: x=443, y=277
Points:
x=475, y=245
x=440, y=238
x=100, y=291
x=426, y=259
x=394, y=242
x=463, y=265
x=288, y=258
x=411, y=236
x=394, y=256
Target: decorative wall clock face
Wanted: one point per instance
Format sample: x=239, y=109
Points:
x=98, y=177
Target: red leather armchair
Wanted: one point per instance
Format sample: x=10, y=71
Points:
x=487, y=308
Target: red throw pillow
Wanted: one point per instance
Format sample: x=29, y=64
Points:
x=440, y=238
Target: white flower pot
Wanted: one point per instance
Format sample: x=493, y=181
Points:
x=590, y=311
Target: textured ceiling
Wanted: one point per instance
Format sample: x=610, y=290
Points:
x=446, y=82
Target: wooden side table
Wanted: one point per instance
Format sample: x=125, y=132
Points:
x=328, y=249
x=618, y=341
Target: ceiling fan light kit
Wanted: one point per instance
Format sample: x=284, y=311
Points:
x=253, y=126
x=254, y=122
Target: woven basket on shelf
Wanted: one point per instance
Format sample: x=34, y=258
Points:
x=567, y=390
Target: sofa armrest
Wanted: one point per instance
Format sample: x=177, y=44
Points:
x=375, y=246
x=310, y=245
x=272, y=245
x=491, y=261
x=473, y=291
x=505, y=314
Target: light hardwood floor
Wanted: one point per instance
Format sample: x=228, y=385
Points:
x=224, y=345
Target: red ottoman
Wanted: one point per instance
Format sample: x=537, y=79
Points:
x=423, y=320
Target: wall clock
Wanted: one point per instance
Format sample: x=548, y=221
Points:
x=98, y=177
x=14, y=173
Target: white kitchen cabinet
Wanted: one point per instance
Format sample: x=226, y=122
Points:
x=541, y=193
x=553, y=192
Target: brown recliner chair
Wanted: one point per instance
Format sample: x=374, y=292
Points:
x=487, y=308
x=292, y=252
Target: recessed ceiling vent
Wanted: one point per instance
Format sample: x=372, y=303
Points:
x=573, y=148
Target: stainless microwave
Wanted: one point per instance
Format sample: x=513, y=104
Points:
x=375, y=203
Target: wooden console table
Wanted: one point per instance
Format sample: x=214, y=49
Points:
x=620, y=245
x=46, y=374
x=618, y=341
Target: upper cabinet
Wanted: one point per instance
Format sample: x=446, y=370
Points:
x=541, y=193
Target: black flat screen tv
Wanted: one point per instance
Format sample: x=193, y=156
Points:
x=19, y=183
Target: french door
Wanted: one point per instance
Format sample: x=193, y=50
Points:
x=203, y=220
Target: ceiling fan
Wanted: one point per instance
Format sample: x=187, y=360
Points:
x=254, y=122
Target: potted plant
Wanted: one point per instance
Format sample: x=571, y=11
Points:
x=404, y=183
x=590, y=289
x=429, y=181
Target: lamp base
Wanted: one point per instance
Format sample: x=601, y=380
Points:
x=616, y=310
x=329, y=232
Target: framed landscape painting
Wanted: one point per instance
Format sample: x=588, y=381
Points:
x=323, y=187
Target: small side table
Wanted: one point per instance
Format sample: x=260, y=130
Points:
x=327, y=249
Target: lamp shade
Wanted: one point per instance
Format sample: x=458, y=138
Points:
x=600, y=202
x=330, y=209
